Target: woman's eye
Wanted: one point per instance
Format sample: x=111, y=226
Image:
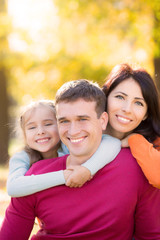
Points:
x=119, y=97
x=139, y=103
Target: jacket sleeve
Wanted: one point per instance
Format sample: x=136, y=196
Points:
x=147, y=157
x=107, y=151
x=19, y=185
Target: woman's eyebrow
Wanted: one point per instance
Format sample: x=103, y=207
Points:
x=139, y=98
x=121, y=93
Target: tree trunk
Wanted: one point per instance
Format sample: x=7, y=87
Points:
x=4, y=130
x=156, y=30
x=157, y=72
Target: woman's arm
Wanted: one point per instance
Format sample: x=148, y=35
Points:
x=19, y=185
x=147, y=157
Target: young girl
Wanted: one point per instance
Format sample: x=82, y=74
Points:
x=39, y=127
x=133, y=107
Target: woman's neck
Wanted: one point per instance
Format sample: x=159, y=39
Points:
x=112, y=132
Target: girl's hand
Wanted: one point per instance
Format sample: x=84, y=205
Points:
x=124, y=141
x=78, y=177
x=67, y=173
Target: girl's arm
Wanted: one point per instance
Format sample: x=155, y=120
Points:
x=107, y=151
x=147, y=157
x=19, y=185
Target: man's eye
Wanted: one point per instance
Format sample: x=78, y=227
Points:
x=63, y=121
x=83, y=119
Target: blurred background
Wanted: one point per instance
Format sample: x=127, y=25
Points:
x=46, y=43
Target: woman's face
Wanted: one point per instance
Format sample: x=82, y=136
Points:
x=126, y=108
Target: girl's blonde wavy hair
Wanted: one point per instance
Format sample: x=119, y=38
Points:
x=33, y=154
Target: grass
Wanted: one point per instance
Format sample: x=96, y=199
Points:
x=5, y=199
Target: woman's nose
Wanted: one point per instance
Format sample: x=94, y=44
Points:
x=126, y=107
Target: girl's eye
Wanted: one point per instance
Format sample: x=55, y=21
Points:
x=48, y=124
x=119, y=97
x=30, y=128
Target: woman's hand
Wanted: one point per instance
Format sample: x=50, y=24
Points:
x=124, y=141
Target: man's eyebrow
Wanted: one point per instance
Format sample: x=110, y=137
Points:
x=61, y=118
x=83, y=116
x=78, y=116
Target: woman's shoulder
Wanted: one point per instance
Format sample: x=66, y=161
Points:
x=157, y=143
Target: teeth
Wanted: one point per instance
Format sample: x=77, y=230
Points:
x=76, y=140
x=124, y=119
x=42, y=140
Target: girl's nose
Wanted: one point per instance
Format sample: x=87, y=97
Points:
x=40, y=130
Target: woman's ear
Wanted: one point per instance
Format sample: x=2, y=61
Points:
x=145, y=117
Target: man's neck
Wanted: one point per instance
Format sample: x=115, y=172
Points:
x=75, y=160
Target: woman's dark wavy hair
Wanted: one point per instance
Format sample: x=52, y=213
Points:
x=150, y=127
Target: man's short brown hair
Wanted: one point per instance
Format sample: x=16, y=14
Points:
x=82, y=89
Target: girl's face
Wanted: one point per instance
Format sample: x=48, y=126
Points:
x=41, y=132
x=126, y=108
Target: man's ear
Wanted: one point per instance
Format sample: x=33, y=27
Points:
x=104, y=120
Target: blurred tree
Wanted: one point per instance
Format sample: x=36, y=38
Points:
x=156, y=37
x=50, y=42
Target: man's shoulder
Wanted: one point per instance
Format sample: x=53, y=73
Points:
x=127, y=162
x=125, y=155
x=48, y=165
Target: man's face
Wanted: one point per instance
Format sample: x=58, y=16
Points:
x=79, y=128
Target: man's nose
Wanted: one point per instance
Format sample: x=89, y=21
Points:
x=73, y=129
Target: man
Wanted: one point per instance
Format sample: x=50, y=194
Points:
x=117, y=204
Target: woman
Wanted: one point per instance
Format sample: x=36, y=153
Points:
x=133, y=107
